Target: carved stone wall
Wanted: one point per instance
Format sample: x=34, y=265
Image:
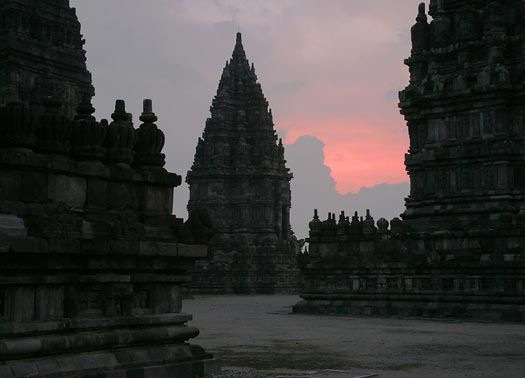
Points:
x=463, y=108
x=356, y=268
x=92, y=261
x=41, y=55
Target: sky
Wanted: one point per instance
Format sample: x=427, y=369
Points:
x=330, y=69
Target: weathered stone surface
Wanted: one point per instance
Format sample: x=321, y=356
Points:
x=464, y=115
x=42, y=55
x=70, y=190
x=34, y=187
x=240, y=179
x=86, y=276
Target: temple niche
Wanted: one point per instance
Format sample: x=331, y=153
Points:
x=458, y=249
x=42, y=55
x=92, y=260
x=240, y=179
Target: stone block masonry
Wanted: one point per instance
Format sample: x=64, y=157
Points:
x=92, y=261
x=92, y=267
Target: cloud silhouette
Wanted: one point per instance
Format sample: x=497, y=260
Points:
x=313, y=187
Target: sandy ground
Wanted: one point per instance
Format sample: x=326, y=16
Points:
x=257, y=336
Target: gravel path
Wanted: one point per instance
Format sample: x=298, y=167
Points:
x=250, y=373
x=256, y=336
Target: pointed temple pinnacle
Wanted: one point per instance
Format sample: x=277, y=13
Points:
x=238, y=43
x=239, y=49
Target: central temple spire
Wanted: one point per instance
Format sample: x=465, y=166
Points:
x=239, y=55
x=239, y=176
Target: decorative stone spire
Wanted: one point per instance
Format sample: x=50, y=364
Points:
x=121, y=137
x=240, y=112
x=87, y=135
x=150, y=139
x=238, y=51
x=315, y=225
x=369, y=224
x=420, y=31
x=239, y=175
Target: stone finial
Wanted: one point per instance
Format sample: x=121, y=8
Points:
x=342, y=226
x=382, y=225
x=121, y=137
x=87, y=135
x=238, y=52
x=120, y=113
x=421, y=13
x=330, y=226
x=440, y=27
x=420, y=32
x=396, y=225
x=55, y=129
x=369, y=224
x=280, y=149
x=17, y=126
x=355, y=225
x=150, y=139
x=342, y=217
x=315, y=224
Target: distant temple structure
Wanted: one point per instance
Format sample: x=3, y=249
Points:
x=240, y=179
x=92, y=261
x=460, y=249
x=41, y=54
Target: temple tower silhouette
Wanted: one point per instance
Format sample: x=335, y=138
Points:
x=239, y=177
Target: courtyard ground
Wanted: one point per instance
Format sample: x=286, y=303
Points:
x=258, y=336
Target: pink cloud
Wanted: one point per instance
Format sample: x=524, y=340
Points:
x=359, y=154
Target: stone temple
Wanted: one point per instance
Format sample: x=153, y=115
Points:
x=240, y=179
x=460, y=249
x=41, y=54
x=92, y=261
